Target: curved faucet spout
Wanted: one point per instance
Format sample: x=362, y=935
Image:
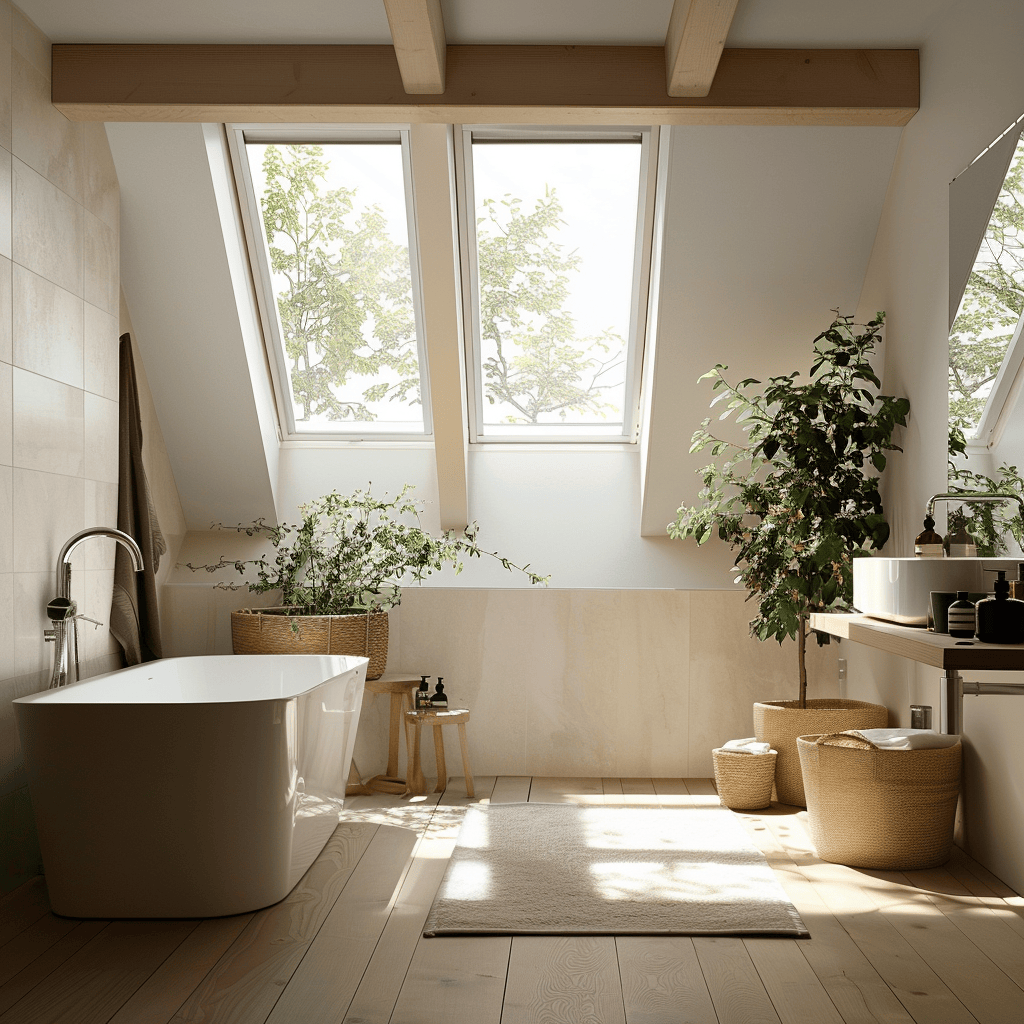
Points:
x=62, y=611
x=64, y=558
x=980, y=496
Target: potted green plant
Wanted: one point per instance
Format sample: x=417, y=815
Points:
x=798, y=499
x=338, y=571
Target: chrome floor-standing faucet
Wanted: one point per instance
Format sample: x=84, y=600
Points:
x=62, y=611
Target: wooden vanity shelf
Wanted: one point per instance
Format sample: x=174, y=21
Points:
x=919, y=644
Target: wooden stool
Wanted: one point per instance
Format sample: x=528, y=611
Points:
x=438, y=718
x=401, y=686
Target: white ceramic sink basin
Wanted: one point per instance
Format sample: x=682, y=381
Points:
x=898, y=589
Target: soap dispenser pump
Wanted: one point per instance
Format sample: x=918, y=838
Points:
x=423, y=695
x=1000, y=619
x=928, y=543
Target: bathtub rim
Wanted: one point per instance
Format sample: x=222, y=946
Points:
x=60, y=695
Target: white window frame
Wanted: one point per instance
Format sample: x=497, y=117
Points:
x=648, y=138
x=256, y=242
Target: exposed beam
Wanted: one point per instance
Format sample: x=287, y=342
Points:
x=694, y=43
x=432, y=176
x=417, y=30
x=507, y=84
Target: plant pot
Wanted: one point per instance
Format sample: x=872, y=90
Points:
x=269, y=631
x=779, y=722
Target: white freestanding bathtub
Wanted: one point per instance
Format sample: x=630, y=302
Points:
x=189, y=787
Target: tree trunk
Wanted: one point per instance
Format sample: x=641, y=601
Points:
x=801, y=641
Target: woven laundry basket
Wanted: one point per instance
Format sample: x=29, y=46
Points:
x=269, y=631
x=779, y=722
x=884, y=809
x=744, y=781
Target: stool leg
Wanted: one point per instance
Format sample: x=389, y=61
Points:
x=407, y=706
x=393, y=734
x=417, y=784
x=465, y=761
x=442, y=773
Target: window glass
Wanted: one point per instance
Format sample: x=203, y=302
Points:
x=342, y=309
x=555, y=285
x=992, y=304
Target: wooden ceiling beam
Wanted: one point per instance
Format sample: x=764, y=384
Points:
x=492, y=84
x=417, y=30
x=696, y=37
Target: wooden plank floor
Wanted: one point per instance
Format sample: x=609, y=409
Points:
x=933, y=947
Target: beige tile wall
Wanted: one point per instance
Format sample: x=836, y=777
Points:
x=593, y=682
x=59, y=211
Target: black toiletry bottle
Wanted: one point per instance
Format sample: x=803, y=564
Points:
x=440, y=698
x=423, y=694
x=1000, y=618
x=928, y=543
x=961, y=617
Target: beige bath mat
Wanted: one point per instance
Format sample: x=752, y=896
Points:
x=563, y=869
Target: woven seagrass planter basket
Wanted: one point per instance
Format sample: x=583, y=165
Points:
x=779, y=722
x=889, y=810
x=744, y=781
x=269, y=631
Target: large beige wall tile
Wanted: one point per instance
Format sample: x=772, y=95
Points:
x=27, y=40
x=100, y=510
x=48, y=329
x=730, y=671
x=559, y=682
x=48, y=509
x=6, y=199
x=6, y=628
x=32, y=655
x=6, y=521
x=6, y=414
x=455, y=634
x=49, y=425
x=100, y=191
x=5, y=74
x=101, y=352
x=101, y=264
x=185, y=621
x=91, y=589
x=6, y=307
x=625, y=683
x=42, y=136
x=100, y=438
x=47, y=229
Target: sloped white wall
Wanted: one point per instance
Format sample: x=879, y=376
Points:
x=971, y=90
x=186, y=284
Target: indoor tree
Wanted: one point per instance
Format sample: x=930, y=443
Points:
x=798, y=497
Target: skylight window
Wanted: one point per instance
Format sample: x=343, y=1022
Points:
x=990, y=311
x=554, y=242
x=332, y=237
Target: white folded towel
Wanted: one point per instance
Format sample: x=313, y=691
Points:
x=906, y=739
x=747, y=746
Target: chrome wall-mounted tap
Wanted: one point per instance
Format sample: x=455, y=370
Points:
x=62, y=611
x=980, y=497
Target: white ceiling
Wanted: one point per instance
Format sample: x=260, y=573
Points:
x=766, y=23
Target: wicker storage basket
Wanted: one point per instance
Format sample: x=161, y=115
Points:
x=886, y=809
x=779, y=722
x=269, y=631
x=744, y=781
